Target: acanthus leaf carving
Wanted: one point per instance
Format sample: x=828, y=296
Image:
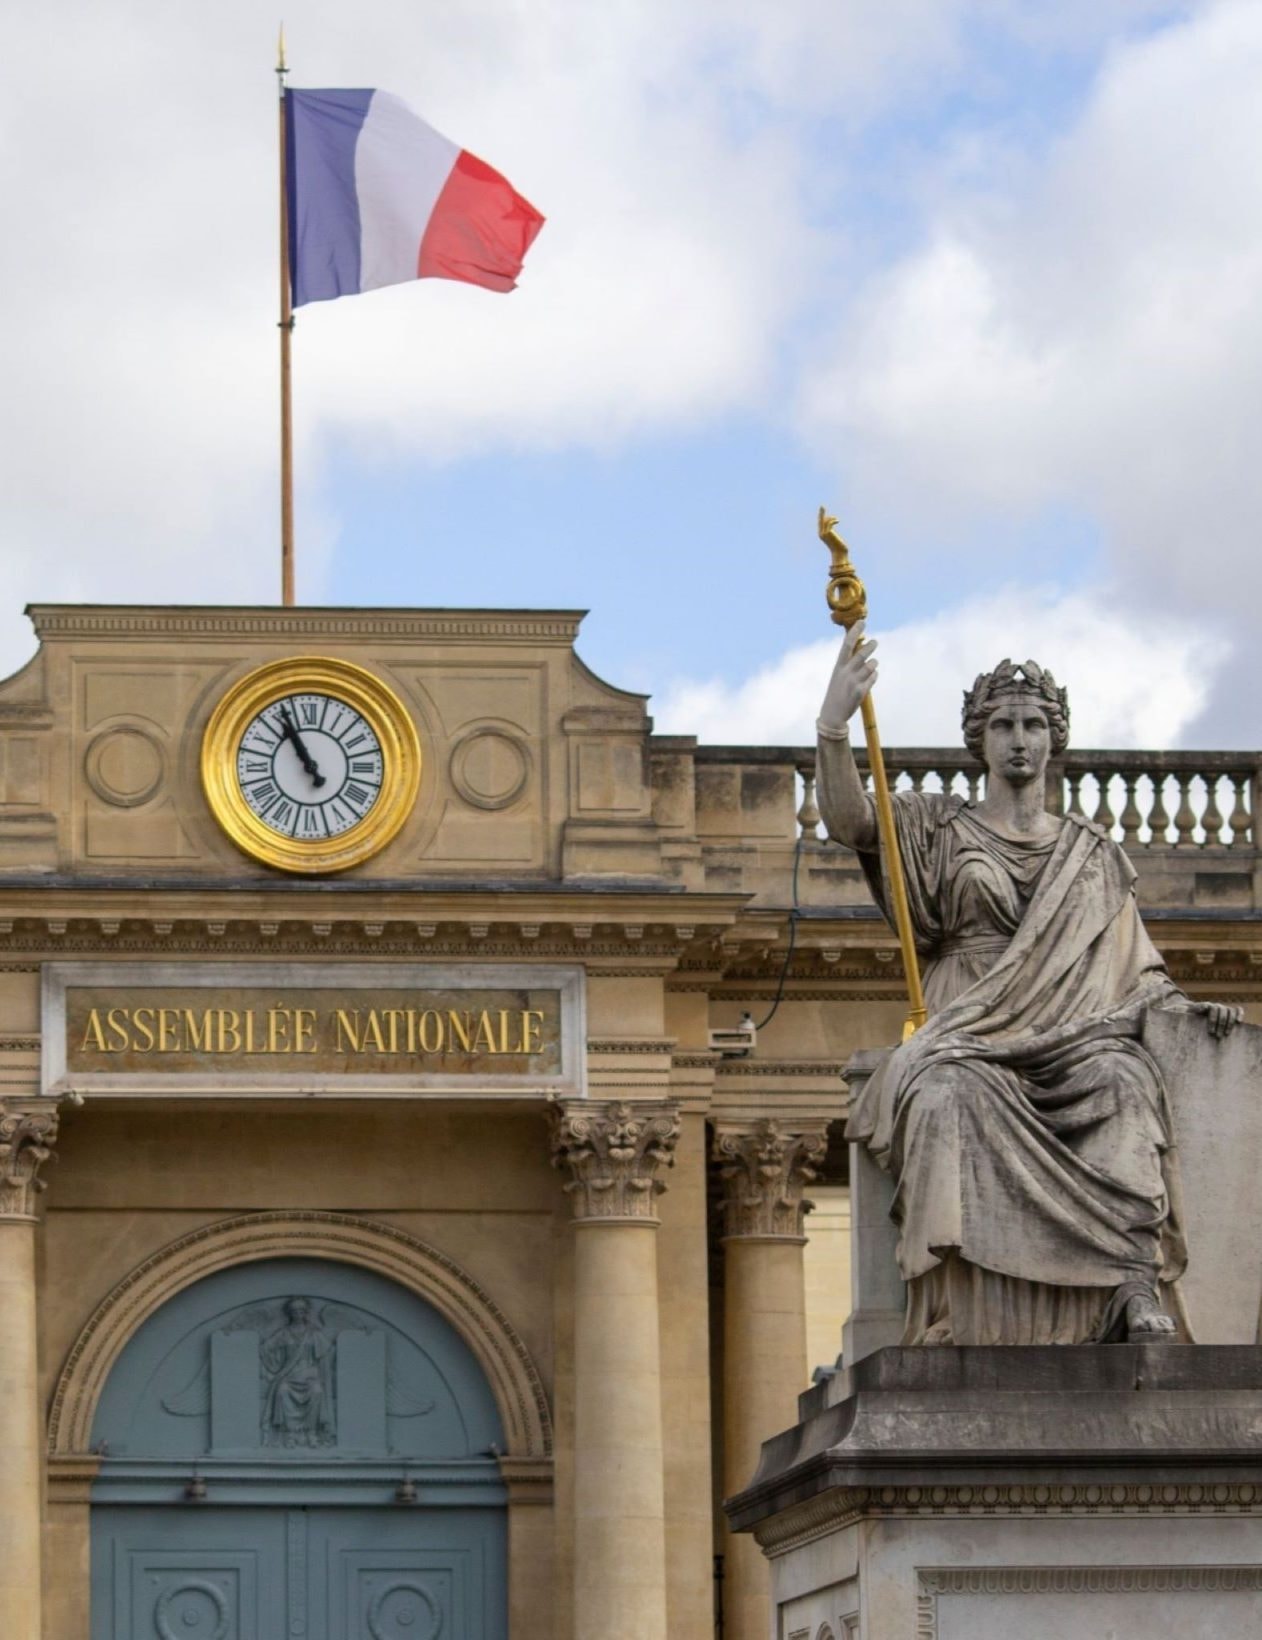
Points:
x=615, y=1154
x=26, y=1143
x=765, y=1169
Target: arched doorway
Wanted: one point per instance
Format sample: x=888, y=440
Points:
x=297, y=1448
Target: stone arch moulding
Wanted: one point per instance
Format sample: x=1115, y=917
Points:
x=345, y=1239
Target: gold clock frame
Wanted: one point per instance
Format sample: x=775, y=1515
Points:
x=381, y=708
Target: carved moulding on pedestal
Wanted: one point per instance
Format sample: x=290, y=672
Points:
x=26, y=1141
x=615, y=1153
x=765, y=1169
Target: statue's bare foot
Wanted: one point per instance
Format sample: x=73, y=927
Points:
x=1145, y=1321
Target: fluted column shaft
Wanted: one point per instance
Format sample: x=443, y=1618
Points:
x=614, y=1154
x=765, y=1168
x=25, y=1141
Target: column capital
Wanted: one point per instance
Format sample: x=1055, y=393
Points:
x=765, y=1167
x=614, y=1153
x=26, y=1141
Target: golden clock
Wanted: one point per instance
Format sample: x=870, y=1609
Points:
x=311, y=764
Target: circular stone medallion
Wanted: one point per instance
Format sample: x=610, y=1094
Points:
x=124, y=766
x=489, y=768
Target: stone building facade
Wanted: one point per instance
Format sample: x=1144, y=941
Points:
x=418, y=1248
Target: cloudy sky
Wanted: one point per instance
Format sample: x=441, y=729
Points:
x=983, y=275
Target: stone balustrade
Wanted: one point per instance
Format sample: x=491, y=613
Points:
x=1145, y=800
x=1187, y=818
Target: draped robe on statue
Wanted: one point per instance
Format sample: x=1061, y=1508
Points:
x=1026, y=1128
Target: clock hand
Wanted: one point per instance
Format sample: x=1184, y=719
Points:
x=290, y=730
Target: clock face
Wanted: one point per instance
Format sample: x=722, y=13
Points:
x=311, y=764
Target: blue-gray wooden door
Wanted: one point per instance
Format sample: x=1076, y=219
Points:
x=339, y=1441
x=207, y=1573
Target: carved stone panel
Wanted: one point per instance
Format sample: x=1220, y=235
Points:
x=26, y=1141
x=765, y=1168
x=615, y=1154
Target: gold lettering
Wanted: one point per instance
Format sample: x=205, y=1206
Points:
x=487, y=1030
x=372, y=1032
x=93, y=1035
x=119, y=1027
x=197, y=1037
x=278, y=1025
x=142, y=1020
x=392, y=1016
x=411, y=1014
x=347, y=1027
x=531, y=1030
x=430, y=1031
x=168, y=1030
x=460, y=1026
x=503, y=1047
x=247, y=1015
x=304, y=1030
x=229, y=1030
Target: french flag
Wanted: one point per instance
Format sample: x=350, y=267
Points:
x=376, y=196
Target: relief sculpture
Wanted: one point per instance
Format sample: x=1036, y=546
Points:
x=298, y=1383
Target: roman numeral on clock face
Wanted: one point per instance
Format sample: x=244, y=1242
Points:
x=310, y=766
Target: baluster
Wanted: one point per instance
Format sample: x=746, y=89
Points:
x=1185, y=814
x=918, y=779
x=1212, y=819
x=1104, y=815
x=1158, y=819
x=1241, y=821
x=1131, y=817
x=808, y=814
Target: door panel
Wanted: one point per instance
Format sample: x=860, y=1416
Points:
x=186, y=1574
x=213, y=1573
x=414, y=1574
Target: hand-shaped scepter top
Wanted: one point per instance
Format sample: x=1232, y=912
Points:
x=848, y=604
x=847, y=596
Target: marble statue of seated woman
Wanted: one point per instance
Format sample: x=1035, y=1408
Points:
x=1026, y=1127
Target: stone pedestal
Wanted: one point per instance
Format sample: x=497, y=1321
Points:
x=614, y=1154
x=1110, y=1490
x=25, y=1138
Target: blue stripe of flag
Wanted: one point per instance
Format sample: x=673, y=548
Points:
x=322, y=128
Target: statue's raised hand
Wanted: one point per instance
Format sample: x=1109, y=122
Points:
x=853, y=676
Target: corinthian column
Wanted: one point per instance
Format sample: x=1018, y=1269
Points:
x=765, y=1168
x=26, y=1139
x=614, y=1155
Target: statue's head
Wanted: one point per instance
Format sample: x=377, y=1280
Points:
x=297, y=1310
x=1010, y=685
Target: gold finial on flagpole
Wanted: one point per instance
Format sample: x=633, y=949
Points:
x=281, y=66
x=848, y=604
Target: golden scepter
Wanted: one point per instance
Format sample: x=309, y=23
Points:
x=848, y=603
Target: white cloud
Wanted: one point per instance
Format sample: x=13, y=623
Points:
x=1131, y=682
x=1085, y=333
x=137, y=142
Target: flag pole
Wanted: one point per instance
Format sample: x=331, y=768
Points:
x=848, y=603
x=286, y=337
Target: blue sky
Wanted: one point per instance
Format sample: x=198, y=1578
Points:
x=949, y=266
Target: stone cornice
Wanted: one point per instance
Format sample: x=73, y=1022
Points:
x=615, y=1153
x=840, y=1507
x=231, y=623
x=26, y=1140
